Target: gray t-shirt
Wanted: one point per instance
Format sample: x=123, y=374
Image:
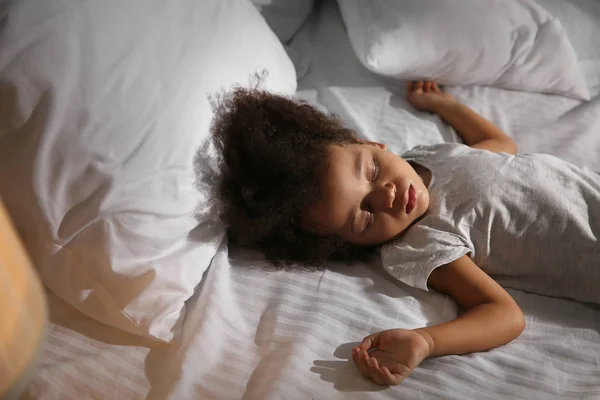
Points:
x=531, y=221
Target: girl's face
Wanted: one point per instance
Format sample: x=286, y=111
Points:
x=370, y=195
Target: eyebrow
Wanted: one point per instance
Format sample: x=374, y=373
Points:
x=358, y=164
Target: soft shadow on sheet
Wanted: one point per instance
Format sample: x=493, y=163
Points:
x=342, y=372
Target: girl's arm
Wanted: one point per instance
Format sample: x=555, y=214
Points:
x=475, y=130
x=491, y=318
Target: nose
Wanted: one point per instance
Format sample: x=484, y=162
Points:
x=384, y=197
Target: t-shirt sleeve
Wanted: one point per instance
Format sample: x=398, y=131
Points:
x=419, y=251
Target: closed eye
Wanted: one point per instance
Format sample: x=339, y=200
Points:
x=374, y=177
x=375, y=171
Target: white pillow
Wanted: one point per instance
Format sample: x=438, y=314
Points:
x=104, y=104
x=581, y=21
x=513, y=44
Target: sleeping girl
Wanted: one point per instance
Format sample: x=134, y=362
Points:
x=305, y=189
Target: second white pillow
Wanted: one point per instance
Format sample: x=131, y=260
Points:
x=513, y=44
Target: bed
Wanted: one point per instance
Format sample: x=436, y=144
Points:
x=252, y=332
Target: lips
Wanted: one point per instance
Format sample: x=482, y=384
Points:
x=411, y=201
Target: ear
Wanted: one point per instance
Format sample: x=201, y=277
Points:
x=380, y=145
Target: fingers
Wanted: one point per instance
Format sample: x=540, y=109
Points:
x=389, y=378
x=370, y=369
x=422, y=86
x=418, y=86
x=361, y=359
x=382, y=375
x=375, y=372
x=370, y=342
x=412, y=88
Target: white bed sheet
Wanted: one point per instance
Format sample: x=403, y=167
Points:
x=255, y=333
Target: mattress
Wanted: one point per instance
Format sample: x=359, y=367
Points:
x=253, y=332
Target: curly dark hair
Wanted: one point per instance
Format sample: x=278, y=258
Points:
x=273, y=152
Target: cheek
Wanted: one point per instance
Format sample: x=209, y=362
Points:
x=423, y=202
x=390, y=226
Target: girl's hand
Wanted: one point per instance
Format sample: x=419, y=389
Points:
x=397, y=352
x=427, y=96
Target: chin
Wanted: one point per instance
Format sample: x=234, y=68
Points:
x=422, y=205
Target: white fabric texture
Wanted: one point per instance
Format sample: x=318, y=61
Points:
x=284, y=17
x=103, y=107
x=449, y=41
x=531, y=221
x=580, y=21
x=254, y=333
